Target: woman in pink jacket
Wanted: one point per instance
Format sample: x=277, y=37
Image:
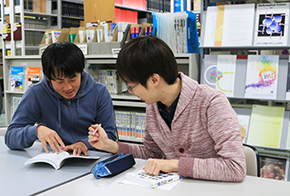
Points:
x=190, y=128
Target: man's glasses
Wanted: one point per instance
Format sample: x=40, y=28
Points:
x=131, y=88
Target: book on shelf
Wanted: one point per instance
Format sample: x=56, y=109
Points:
x=198, y=24
x=33, y=76
x=273, y=167
x=272, y=24
x=15, y=102
x=140, y=177
x=288, y=137
x=180, y=33
x=55, y=36
x=287, y=97
x=266, y=126
x=219, y=72
x=244, y=122
x=129, y=16
x=17, y=31
x=16, y=78
x=229, y=25
x=6, y=32
x=56, y=159
x=262, y=76
x=121, y=30
x=130, y=124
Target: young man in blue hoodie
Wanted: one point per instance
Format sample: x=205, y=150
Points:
x=59, y=109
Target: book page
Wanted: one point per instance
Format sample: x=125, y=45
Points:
x=272, y=24
x=53, y=159
x=266, y=126
x=262, y=75
x=56, y=159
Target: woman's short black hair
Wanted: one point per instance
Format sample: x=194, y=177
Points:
x=141, y=57
x=64, y=59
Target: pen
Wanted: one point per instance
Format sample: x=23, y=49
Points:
x=95, y=131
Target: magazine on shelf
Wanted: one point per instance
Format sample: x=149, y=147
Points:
x=272, y=24
x=56, y=159
x=16, y=78
x=219, y=72
x=143, y=179
x=33, y=76
x=288, y=137
x=266, y=126
x=229, y=25
x=244, y=122
x=262, y=76
x=273, y=167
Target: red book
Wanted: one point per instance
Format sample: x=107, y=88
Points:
x=118, y=15
x=118, y=2
x=17, y=31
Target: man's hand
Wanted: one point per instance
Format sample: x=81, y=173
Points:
x=77, y=148
x=47, y=135
x=98, y=138
x=155, y=166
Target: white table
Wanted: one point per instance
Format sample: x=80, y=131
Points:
x=251, y=186
x=19, y=179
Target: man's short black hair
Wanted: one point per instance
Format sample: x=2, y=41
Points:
x=62, y=60
x=143, y=56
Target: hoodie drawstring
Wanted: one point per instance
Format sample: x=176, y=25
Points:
x=59, y=115
x=78, y=102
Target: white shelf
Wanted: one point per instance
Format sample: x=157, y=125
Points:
x=130, y=139
x=26, y=57
x=36, y=30
x=245, y=47
x=129, y=104
x=125, y=96
x=15, y=92
x=38, y=14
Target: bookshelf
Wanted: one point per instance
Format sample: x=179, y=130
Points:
x=112, y=10
x=188, y=63
x=31, y=18
x=70, y=12
x=243, y=105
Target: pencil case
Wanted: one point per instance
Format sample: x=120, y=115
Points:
x=113, y=165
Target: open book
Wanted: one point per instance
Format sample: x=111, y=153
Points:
x=140, y=177
x=56, y=159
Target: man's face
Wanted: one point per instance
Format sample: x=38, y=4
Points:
x=67, y=87
x=145, y=94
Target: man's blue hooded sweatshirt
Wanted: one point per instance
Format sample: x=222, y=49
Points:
x=69, y=118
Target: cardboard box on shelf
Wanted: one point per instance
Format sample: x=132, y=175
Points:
x=47, y=38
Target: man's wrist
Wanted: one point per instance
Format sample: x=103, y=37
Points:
x=113, y=147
